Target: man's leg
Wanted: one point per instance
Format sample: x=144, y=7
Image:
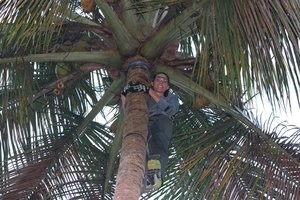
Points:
x=160, y=134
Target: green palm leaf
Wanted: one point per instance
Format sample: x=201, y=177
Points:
x=64, y=145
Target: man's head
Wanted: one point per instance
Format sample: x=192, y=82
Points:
x=161, y=82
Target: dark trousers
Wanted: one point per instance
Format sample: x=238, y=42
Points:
x=159, y=136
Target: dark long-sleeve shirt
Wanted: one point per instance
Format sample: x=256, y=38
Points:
x=168, y=105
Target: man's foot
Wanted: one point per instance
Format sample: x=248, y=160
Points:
x=153, y=179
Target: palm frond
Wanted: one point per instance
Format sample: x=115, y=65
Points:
x=214, y=155
x=249, y=46
x=51, y=135
x=23, y=21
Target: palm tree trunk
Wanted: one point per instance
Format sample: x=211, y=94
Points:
x=133, y=152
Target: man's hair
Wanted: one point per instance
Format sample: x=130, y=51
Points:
x=168, y=79
x=166, y=93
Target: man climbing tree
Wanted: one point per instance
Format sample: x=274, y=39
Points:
x=162, y=106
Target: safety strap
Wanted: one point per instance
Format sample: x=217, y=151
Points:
x=135, y=87
x=139, y=64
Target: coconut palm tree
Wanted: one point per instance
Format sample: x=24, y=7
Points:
x=64, y=64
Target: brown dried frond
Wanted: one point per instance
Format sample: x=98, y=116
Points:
x=88, y=5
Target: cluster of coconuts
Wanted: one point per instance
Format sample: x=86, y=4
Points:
x=59, y=88
x=62, y=69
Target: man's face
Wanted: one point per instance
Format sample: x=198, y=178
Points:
x=160, y=83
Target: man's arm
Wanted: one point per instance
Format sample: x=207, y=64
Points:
x=173, y=104
x=169, y=105
x=154, y=95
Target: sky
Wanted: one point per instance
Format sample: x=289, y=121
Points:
x=265, y=110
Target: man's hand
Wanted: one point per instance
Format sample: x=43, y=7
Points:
x=154, y=95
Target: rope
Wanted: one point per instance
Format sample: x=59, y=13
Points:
x=139, y=64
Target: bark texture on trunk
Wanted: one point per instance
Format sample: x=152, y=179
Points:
x=133, y=152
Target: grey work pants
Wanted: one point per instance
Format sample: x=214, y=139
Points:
x=159, y=136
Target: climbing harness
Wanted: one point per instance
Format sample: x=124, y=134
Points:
x=135, y=87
